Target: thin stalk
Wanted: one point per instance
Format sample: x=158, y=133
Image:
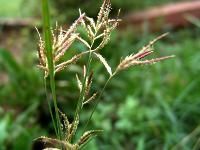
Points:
x=79, y=105
x=81, y=97
x=50, y=109
x=97, y=102
x=49, y=50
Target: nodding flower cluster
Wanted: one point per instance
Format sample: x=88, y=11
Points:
x=62, y=39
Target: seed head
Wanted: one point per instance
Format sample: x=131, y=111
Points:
x=136, y=59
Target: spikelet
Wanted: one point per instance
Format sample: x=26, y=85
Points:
x=153, y=61
x=151, y=43
x=101, y=12
x=90, y=32
x=108, y=23
x=88, y=84
x=82, y=21
x=67, y=63
x=74, y=127
x=142, y=54
x=84, y=71
x=92, y=23
x=79, y=83
x=42, y=56
x=43, y=68
x=90, y=99
x=59, y=38
x=62, y=49
x=41, y=52
x=106, y=12
x=55, y=35
x=74, y=26
x=87, y=135
x=66, y=125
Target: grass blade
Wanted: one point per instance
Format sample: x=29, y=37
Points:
x=49, y=50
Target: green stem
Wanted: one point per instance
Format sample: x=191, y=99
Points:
x=81, y=97
x=96, y=103
x=49, y=53
x=50, y=109
x=52, y=82
x=80, y=101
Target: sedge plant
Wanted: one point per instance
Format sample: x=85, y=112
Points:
x=55, y=44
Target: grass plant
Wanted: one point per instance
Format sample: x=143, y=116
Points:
x=53, y=46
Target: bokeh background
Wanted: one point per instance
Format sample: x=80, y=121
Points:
x=144, y=108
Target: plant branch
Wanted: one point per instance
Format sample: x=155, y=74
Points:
x=97, y=102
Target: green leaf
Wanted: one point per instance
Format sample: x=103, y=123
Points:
x=4, y=123
x=104, y=62
x=49, y=52
x=9, y=62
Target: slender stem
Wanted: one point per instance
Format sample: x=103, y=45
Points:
x=96, y=103
x=50, y=109
x=79, y=105
x=49, y=53
x=52, y=82
x=82, y=94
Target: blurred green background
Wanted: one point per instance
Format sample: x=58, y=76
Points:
x=144, y=108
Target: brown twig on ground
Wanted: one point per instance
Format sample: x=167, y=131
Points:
x=171, y=15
